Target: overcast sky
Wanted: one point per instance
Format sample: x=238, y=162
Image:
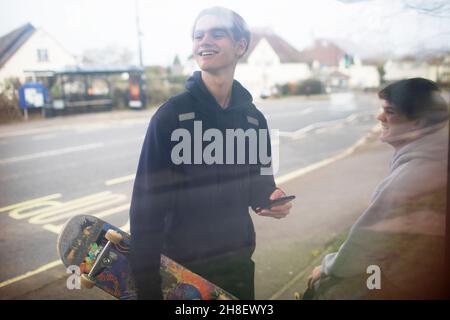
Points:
x=366, y=27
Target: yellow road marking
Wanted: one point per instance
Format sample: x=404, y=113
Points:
x=277, y=294
x=112, y=211
x=106, y=201
x=31, y=273
x=16, y=213
x=120, y=180
x=57, y=228
x=28, y=202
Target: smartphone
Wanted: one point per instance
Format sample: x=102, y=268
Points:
x=277, y=202
x=280, y=201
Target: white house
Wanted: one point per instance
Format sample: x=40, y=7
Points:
x=27, y=49
x=434, y=67
x=408, y=67
x=363, y=76
x=440, y=67
x=269, y=61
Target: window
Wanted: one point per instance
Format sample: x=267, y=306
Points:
x=42, y=55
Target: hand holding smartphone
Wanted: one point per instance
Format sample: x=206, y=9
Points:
x=277, y=202
x=280, y=201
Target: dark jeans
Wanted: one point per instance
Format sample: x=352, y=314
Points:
x=234, y=273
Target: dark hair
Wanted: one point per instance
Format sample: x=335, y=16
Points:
x=417, y=98
x=233, y=21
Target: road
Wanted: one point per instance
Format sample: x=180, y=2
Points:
x=52, y=170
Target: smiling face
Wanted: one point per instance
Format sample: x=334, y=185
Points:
x=397, y=129
x=214, y=48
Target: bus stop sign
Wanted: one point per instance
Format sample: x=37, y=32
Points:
x=32, y=95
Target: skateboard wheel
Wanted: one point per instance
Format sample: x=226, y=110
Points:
x=86, y=282
x=113, y=236
x=297, y=296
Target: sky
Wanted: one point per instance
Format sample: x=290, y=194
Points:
x=366, y=27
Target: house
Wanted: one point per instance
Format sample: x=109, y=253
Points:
x=440, y=67
x=408, y=67
x=269, y=61
x=336, y=80
x=339, y=69
x=325, y=55
x=363, y=75
x=27, y=49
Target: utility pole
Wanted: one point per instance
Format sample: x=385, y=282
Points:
x=139, y=35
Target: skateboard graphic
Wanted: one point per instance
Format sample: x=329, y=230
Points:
x=101, y=251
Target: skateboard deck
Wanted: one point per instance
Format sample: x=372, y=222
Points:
x=104, y=263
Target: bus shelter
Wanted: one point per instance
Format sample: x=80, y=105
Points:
x=86, y=89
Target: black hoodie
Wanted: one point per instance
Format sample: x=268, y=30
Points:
x=191, y=212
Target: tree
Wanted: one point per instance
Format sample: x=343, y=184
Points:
x=381, y=72
x=9, y=102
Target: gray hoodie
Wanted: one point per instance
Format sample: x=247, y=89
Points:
x=403, y=229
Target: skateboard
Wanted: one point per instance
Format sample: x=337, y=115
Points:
x=101, y=252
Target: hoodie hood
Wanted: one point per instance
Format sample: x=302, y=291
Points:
x=433, y=145
x=240, y=97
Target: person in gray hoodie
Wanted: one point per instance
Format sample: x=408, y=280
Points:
x=396, y=248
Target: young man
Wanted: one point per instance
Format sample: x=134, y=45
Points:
x=195, y=210
x=396, y=248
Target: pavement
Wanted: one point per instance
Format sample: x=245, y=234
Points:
x=329, y=200
x=330, y=196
